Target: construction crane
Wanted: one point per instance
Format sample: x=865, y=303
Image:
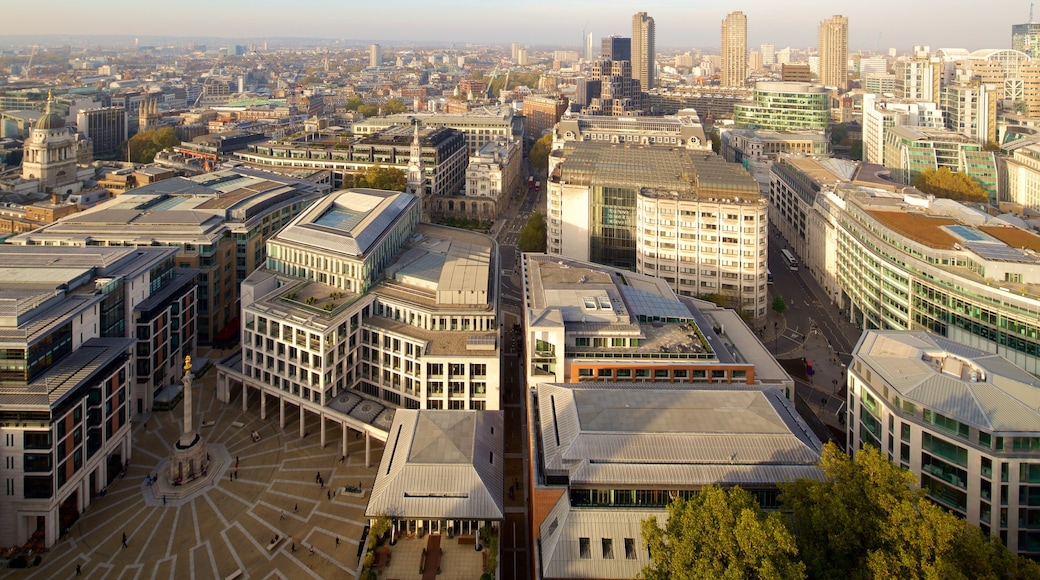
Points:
x=28, y=67
x=290, y=89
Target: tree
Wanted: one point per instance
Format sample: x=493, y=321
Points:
x=379, y=177
x=720, y=534
x=868, y=518
x=394, y=106
x=950, y=184
x=532, y=235
x=539, y=154
x=838, y=134
x=779, y=306
x=354, y=103
x=144, y=145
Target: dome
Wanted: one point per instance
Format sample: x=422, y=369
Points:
x=50, y=121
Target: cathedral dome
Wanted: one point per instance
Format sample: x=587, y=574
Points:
x=51, y=120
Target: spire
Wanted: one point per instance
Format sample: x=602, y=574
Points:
x=416, y=180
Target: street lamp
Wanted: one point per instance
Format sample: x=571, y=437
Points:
x=776, y=350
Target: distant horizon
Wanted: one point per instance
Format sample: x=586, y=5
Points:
x=535, y=23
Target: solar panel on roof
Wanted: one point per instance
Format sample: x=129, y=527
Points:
x=998, y=251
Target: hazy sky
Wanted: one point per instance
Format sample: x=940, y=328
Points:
x=968, y=24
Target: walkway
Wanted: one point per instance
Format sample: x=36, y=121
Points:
x=230, y=526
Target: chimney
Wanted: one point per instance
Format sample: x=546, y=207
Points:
x=55, y=199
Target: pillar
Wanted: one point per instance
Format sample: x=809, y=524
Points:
x=321, y=428
x=263, y=405
x=343, y=428
x=245, y=396
x=281, y=413
x=368, y=450
x=301, y=421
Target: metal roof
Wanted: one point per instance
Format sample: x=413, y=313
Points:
x=441, y=465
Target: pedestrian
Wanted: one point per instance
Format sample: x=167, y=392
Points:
x=236, y=461
x=337, y=541
x=78, y=570
x=295, y=508
x=231, y=476
x=293, y=548
x=317, y=477
x=124, y=539
x=312, y=550
x=282, y=515
x=328, y=494
x=164, y=500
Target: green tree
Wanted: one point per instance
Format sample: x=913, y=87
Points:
x=868, y=518
x=144, y=145
x=532, y=235
x=716, y=141
x=394, y=106
x=838, y=134
x=856, y=151
x=779, y=306
x=720, y=534
x=354, y=103
x=380, y=177
x=950, y=184
x=540, y=153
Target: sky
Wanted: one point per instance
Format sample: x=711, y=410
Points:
x=970, y=24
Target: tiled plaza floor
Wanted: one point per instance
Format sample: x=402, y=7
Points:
x=229, y=526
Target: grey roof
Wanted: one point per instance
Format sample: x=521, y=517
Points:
x=350, y=221
x=64, y=377
x=677, y=434
x=975, y=387
x=441, y=465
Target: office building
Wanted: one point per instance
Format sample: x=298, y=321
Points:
x=880, y=84
x=665, y=212
x=684, y=130
x=918, y=77
x=870, y=66
x=541, y=113
x=70, y=377
x=643, y=51
x=219, y=221
x=587, y=322
x=834, y=52
x=740, y=145
x=1026, y=38
x=616, y=48
x=971, y=109
x=106, y=128
x=784, y=106
x=911, y=150
x=734, y=50
x=964, y=421
x=881, y=114
x=1023, y=176
x=768, y=54
x=892, y=258
x=711, y=102
x=375, y=56
x=362, y=309
x=619, y=94
x=493, y=174
x=795, y=73
x=606, y=457
x=444, y=154
x=589, y=53
x=478, y=126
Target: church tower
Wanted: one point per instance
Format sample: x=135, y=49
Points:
x=50, y=152
x=148, y=114
x=416, y=179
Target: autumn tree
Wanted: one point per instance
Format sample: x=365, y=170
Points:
x=950, y=185
x=145, y=144
x=720, y=534
x=381, y=177
x=539, y=154
x=532, y=235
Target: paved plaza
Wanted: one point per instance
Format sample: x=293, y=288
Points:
x=229, y=526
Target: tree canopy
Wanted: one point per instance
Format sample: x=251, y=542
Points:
x=532, y=235
x=868, y=518
x=950, y=184
x=779, y=306
x=380, y=177
x=720, y=534
x=539, y=154
x=144, y=145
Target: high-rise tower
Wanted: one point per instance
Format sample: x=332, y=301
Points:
x=643, y=50
x=834, y=52
x=734, y=50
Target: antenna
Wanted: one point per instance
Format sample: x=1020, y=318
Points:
x=1030, y=12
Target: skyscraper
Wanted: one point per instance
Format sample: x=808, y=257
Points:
x=734, y=50
x=643, y=50
x=375, y=55
x=588, y=48
x=834, y=52
x=616, y=48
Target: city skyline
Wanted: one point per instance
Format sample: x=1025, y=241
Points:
x=536, y=23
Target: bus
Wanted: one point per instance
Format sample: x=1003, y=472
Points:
x=792, y=262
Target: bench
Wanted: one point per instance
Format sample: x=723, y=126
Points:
x=276, y=542
x=467, y=540
x=208, y=423
x=237, y=424
x=234, y=575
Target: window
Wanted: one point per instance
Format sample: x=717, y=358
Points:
x=608, y=548
x=584, y=549
x=630, y=549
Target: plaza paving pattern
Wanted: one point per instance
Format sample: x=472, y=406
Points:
x=229, y=526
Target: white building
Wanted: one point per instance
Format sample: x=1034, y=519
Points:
x=362, y=309
x=964, y=421
x=1023, y=170
x=493, y=175
x=883, y=113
